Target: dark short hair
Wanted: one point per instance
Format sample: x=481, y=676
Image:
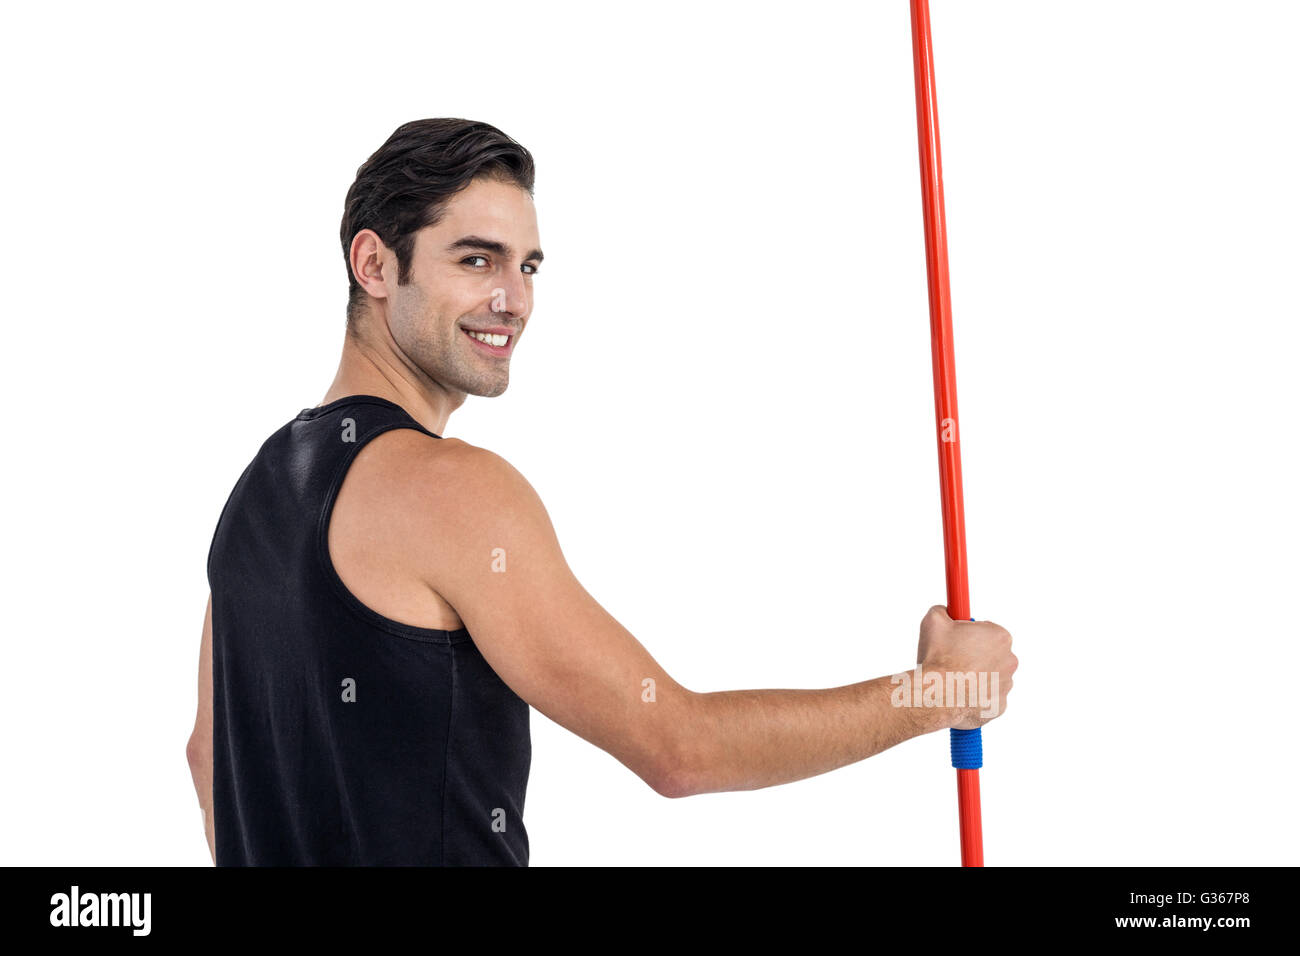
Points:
x=406, y=184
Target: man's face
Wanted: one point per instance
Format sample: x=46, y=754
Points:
x=472, y=271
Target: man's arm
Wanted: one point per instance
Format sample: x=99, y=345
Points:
x=491, y=552
x=749, y=739
x=198, y=751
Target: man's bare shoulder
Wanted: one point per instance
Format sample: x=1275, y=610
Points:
x=439, y=503
x=424, y=461
x=439, y=480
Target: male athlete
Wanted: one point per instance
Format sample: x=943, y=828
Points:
x=387, y=604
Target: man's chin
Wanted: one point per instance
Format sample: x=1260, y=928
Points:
x=489, y=390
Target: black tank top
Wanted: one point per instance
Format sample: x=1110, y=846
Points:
x=342, y=737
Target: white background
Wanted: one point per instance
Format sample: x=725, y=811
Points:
x=724, y=398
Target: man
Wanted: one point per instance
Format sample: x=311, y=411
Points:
x=387, y=604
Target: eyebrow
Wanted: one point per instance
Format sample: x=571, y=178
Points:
x=491, y=245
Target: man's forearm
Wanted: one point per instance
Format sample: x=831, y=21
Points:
x=748, y=739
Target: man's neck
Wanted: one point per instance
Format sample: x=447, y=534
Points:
x=367, y=370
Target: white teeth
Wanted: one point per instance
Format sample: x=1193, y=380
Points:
x=497, y=340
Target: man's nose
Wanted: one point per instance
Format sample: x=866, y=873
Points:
x=510, y=296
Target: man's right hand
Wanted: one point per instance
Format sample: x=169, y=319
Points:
x=959, y=647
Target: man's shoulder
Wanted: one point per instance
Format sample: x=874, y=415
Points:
x=436, y=501
x=430, y=478
x=422, y=459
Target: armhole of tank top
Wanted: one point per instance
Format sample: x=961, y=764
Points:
x=368, y=614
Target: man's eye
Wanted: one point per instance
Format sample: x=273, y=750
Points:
x=526, y=265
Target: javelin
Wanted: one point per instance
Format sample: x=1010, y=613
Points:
x=967, y=750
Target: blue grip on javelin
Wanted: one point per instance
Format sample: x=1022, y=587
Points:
x=967, y=747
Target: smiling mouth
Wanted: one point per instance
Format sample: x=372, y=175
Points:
x=489, y=342
x=489, y=338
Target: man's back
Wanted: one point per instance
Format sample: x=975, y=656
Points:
x=342, y=736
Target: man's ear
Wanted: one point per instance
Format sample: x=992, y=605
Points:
x=373, y=263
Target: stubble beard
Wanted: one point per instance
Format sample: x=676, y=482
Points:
x=470, y=373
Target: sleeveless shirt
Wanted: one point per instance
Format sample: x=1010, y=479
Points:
x=342, y=737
